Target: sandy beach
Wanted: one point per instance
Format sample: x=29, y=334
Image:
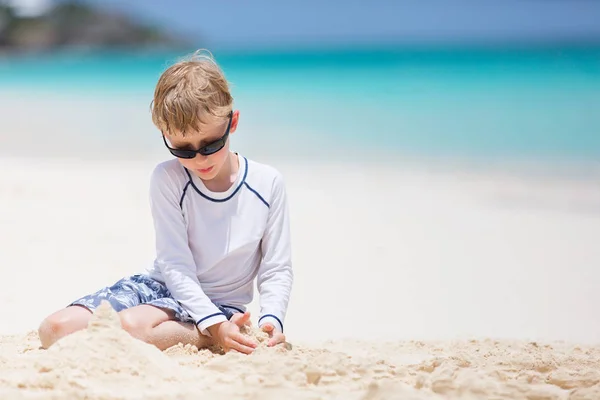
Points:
x=411, y=283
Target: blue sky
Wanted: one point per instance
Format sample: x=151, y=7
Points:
x=264, y=23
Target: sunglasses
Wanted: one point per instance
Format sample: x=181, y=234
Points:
x=205, y=150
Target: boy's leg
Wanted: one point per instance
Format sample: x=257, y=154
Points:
x=63, y=323
x=76, y=316
x=147, y=312
x=162, y=328
x=145, y=322
x=159, y=327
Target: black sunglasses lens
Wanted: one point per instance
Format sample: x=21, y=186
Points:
x=212, y=148
x=183, y=153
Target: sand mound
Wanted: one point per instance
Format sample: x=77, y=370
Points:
x=104, y=348
x=102, y=359
x=104, y=362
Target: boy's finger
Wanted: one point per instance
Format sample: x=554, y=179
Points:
x=235, y=342
x=241, y=348
x=242, y=319
x=246, y=317
x=241, y=339
x=268, y=327
x=276, y=339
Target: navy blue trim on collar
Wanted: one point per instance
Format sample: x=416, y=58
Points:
x=226, y=198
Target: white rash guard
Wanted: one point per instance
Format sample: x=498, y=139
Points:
x=211, y=245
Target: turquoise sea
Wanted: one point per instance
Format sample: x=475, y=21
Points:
x=496, y=103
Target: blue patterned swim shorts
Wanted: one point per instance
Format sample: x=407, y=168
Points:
x=140, y=289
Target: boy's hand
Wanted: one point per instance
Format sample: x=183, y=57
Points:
x=241, y=319
x=227, y=334
x=275, y=335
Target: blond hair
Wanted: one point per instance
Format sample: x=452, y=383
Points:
x=190, y=93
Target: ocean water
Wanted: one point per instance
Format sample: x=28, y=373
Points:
x=486, y=103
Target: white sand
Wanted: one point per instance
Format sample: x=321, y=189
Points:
x=409, y=284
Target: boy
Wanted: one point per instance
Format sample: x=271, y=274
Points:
x=220, y=220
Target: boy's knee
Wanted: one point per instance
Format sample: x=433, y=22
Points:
x=134, y=325
x=61, y=324
x=51, y=329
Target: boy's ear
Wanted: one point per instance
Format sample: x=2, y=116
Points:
x=234, y=121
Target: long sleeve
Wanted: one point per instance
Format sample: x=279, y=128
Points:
x=275, y=275
x=174, y=258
